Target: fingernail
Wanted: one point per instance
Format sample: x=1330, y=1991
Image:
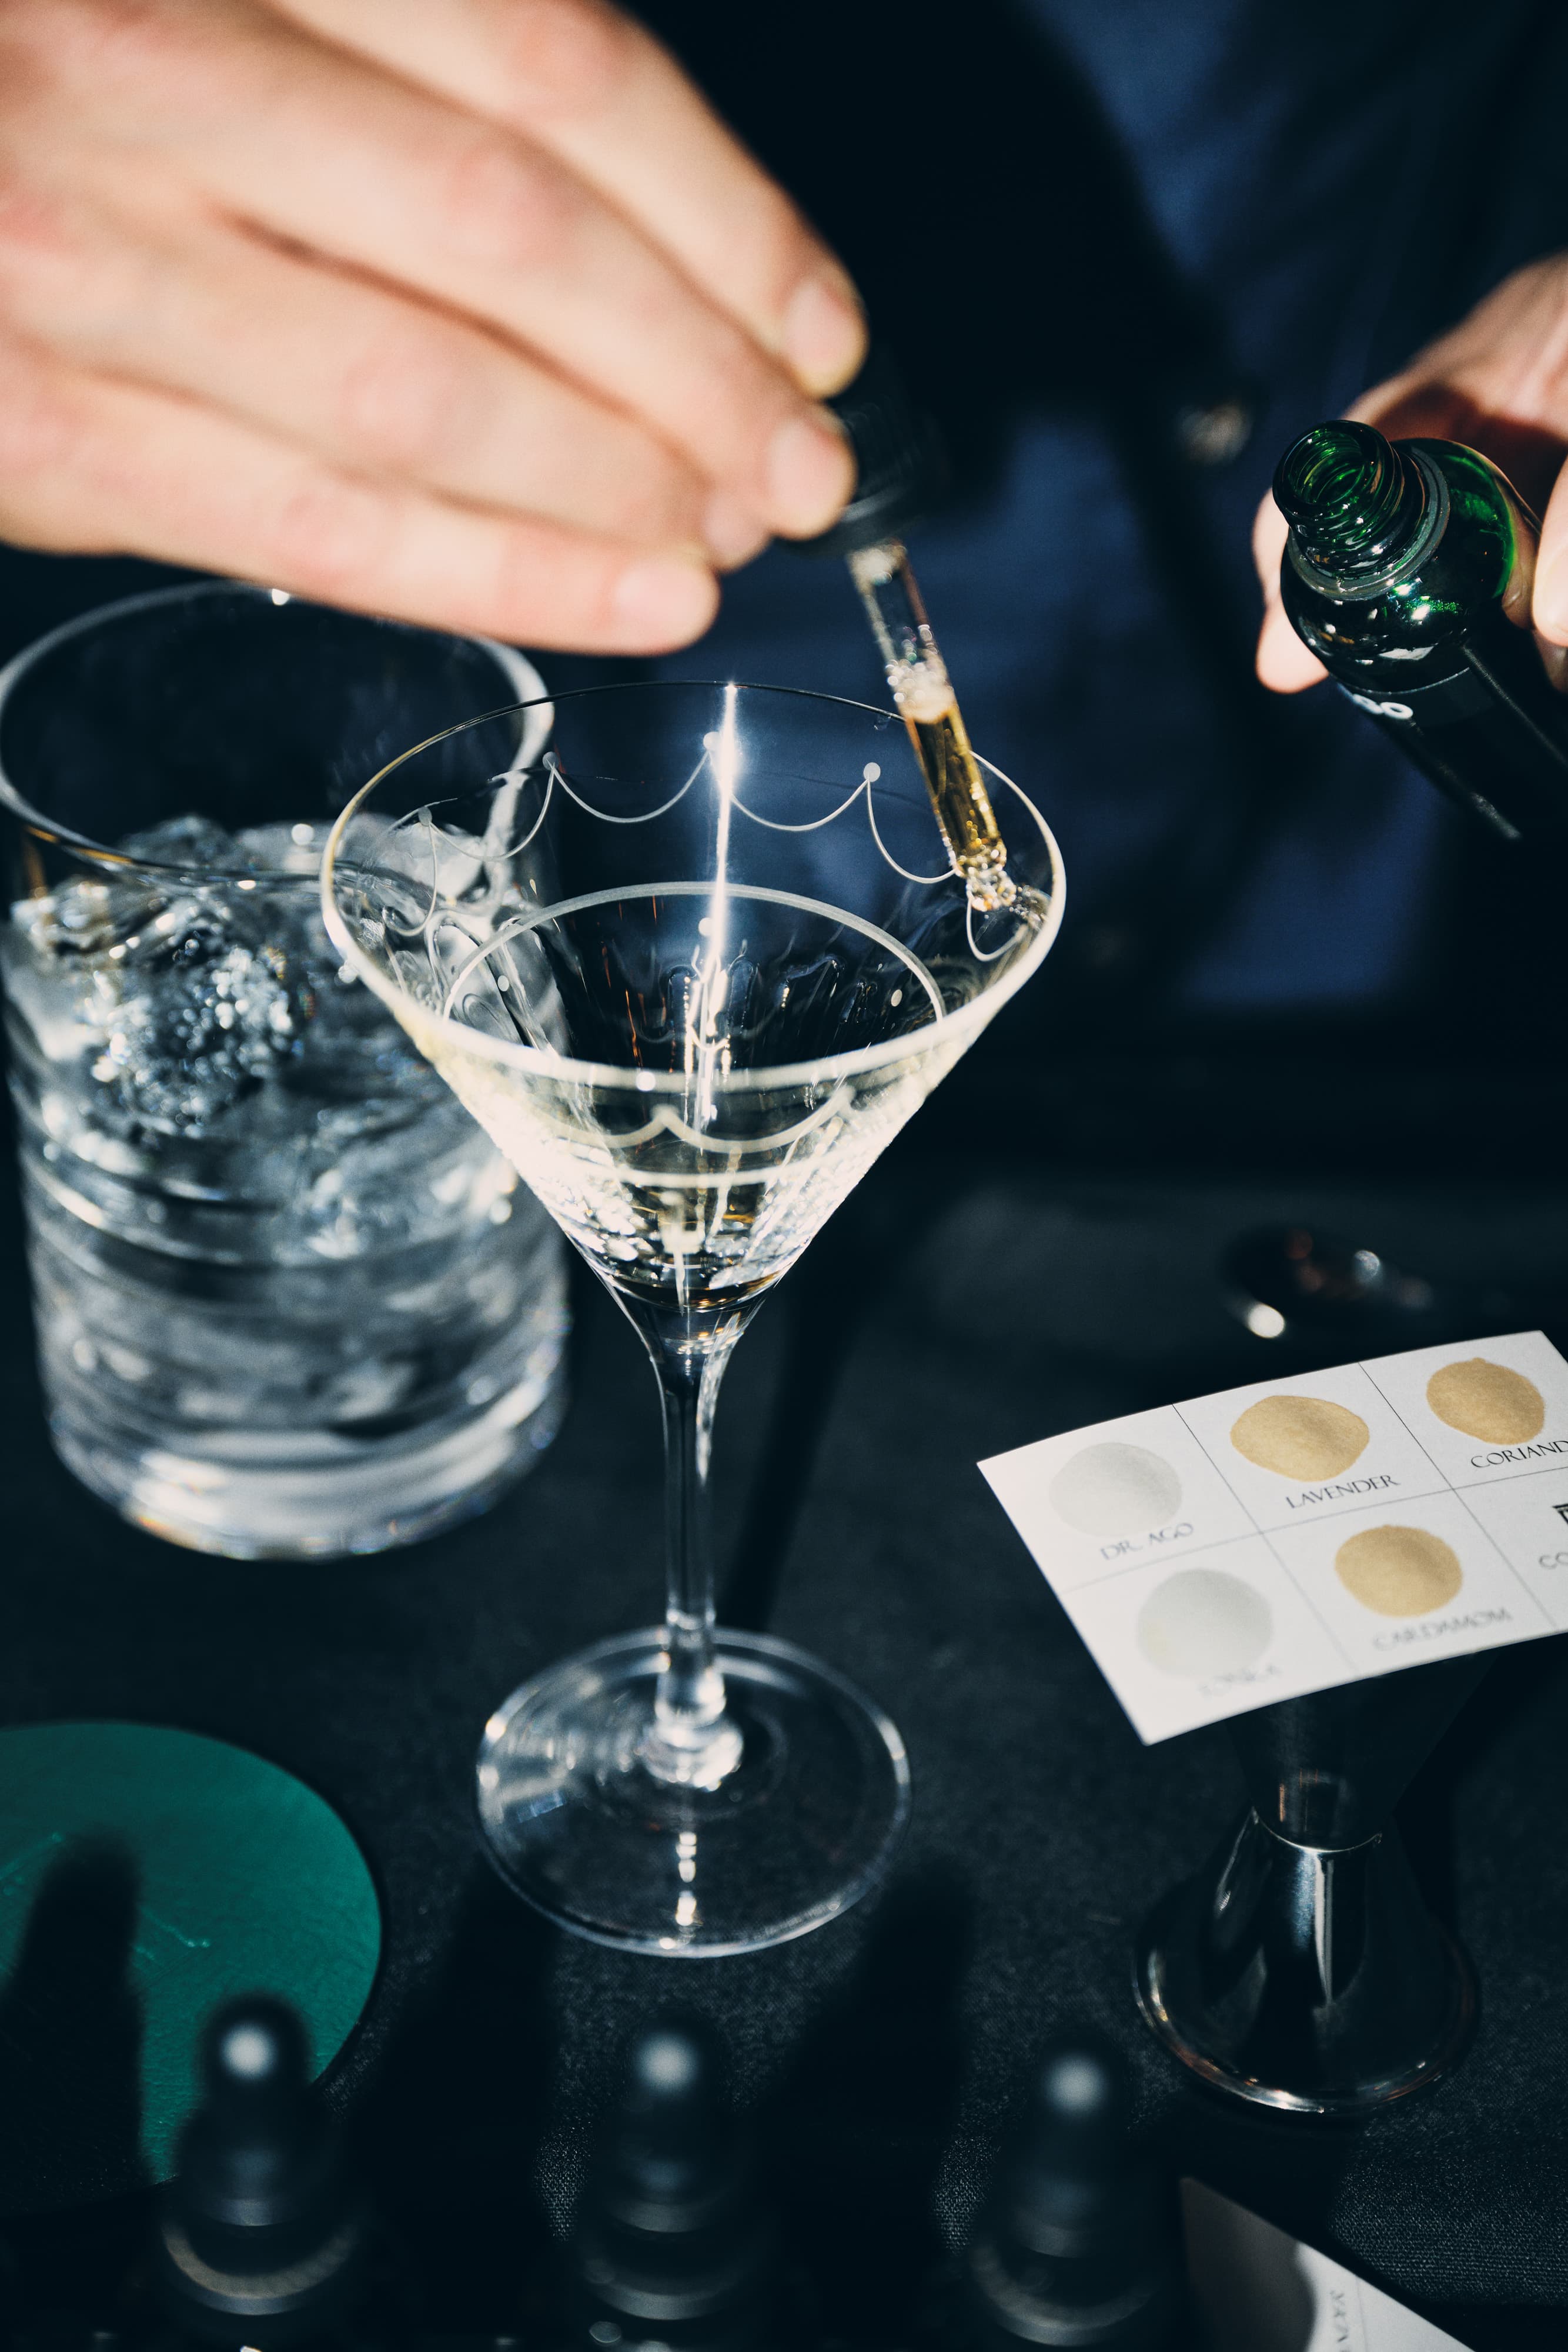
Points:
x=731, y=531
x=1549, y=604
x=824, y=333
x=662, y=601
x=1283, y=663
x=810, y=473
x=1554, y=662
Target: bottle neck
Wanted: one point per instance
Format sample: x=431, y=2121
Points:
x=1353, y=502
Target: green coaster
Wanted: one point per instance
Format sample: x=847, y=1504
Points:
x=146, y=1874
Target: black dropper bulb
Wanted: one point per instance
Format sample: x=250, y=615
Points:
x=1079, y=2245
x=261, y=2238
x=672, y=2244
x=901, y=467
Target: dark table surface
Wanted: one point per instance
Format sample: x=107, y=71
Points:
x=958, y=1307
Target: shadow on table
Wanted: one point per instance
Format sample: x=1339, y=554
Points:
x=70, y=2037
x=1518, y=1683
x=857, y=2131
x=449, y=2132
x=824, y=1303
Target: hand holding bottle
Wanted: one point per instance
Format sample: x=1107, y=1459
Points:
x=468, y=312
x=1497, y=383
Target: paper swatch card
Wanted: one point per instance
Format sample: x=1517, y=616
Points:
x=1258, y=2288
x=1304, y=1532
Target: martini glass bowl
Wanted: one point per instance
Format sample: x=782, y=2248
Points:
x=692, y=955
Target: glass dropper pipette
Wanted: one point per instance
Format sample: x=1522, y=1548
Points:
x=901, y=470
x=928, y=706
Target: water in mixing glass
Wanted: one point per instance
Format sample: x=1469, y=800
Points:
x=290, y=1298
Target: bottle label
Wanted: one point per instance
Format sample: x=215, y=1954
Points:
x=1463, y=696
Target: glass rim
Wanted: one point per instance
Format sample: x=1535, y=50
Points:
x=542, y=1061
x=63, y=836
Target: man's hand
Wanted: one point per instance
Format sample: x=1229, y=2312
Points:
x=1500, y=383
x=468, y=312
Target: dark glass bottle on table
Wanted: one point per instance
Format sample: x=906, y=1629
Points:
x=674, y=2245
x=263, y=2237
x=1079, y=2244
x=1404, y=561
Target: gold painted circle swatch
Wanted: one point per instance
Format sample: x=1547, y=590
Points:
x=1301, y=1437
x=1204, y=1621
x=1490, y=1400
x=1399, y=1572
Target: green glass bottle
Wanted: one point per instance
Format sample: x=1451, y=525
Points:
x=1399, y=558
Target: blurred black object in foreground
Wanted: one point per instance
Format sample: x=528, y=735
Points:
x=262, y=2238
x=1079, y=2244
x=672, y=2244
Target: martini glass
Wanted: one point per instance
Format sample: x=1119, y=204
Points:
x=691, y=956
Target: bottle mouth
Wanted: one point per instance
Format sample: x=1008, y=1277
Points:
x=1349, y=497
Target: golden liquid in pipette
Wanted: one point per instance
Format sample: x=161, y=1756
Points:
x=928, y=706
x=958, y=796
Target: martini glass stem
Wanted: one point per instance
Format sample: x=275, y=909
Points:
x=692, y=1738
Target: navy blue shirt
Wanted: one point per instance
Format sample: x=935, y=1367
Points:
x=1127, y=205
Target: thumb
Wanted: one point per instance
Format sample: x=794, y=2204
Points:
x=1550, y=603
x=1284, y=665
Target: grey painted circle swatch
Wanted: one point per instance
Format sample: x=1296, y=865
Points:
x=1114, y=1489
x=1204, y=1621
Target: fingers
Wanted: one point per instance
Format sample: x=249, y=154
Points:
x=509, y=235
x=1549, y=609
x=1505, y=363
x=582, y=80
x=314, y=147
x=1411, y=404
x=1519, y=595
x=88, y=465
x=370, y=381
x=1284, y=665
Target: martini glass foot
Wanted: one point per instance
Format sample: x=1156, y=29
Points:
x=799, y=1815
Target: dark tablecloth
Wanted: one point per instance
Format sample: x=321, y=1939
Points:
x=880, y=2056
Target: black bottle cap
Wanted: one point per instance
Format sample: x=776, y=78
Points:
x=1079, y=2245
x=901, y=465
x=259, y=2227
x=672, y=2234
